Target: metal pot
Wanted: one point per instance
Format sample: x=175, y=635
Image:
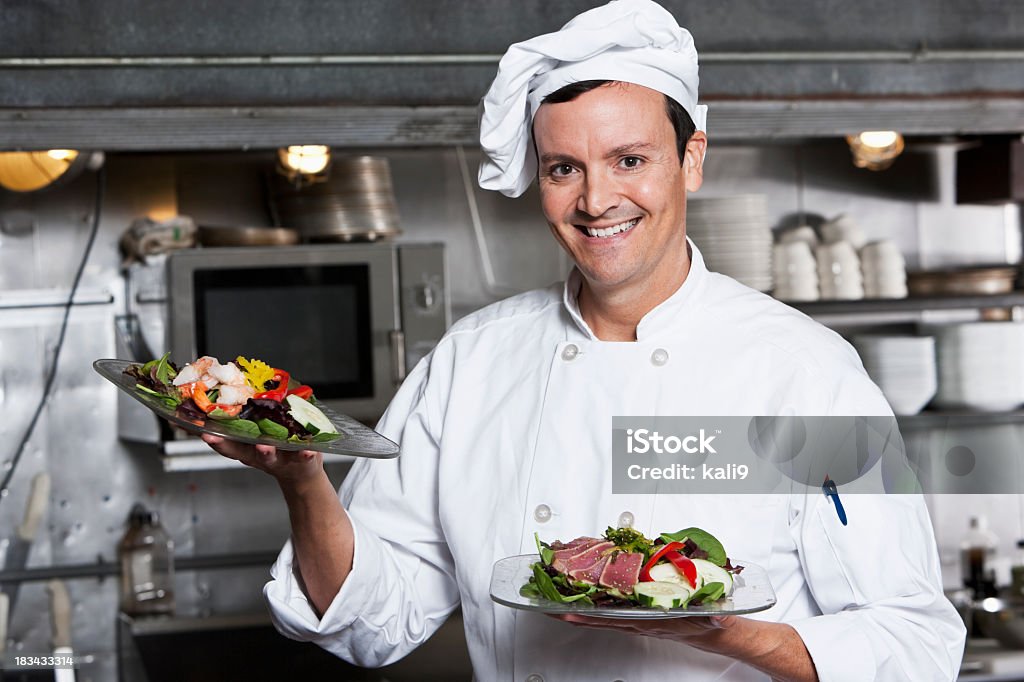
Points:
x=355, y=203
x=1002, y=620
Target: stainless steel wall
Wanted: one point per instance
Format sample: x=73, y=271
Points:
x=96, y=478
x=326, y=49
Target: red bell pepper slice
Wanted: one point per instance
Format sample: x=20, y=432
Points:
x=303, y=391
x=282, y=378
x=645, y=573
x=685, y=566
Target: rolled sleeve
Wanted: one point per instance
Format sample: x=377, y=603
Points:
x=878, y=585
x=838, y=646
x=291, y=611
x=401, y=587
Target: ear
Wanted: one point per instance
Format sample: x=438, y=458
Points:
x=693, y=161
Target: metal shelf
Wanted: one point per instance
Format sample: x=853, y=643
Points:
x=937, y=419
x=903, y=305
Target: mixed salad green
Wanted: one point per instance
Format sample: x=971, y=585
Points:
x=625, y=568
x=246, y=396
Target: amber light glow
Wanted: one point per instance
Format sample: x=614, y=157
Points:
x=30, y=171
x=875, y=149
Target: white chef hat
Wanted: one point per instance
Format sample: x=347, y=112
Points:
x=633, y=41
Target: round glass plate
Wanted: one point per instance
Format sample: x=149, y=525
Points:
x=356, y=439
x=752, y=592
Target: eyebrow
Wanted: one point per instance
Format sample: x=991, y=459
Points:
x=631, y=148
x=547, y=159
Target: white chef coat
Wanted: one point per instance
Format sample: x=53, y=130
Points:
x=505, y=430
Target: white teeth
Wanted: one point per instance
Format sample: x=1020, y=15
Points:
x=609, y=231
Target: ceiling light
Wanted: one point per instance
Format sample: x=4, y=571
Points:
x=304, y=162
x=30, y=171
x=875, y=149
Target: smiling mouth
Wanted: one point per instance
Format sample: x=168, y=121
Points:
x=608, y=231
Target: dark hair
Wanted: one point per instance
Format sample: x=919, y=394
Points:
x=677, y=116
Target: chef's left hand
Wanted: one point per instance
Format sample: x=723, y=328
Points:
x=773, y=648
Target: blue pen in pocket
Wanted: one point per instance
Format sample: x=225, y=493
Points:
x=832, y=493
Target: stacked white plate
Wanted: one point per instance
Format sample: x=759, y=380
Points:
x=734, y=235
x=795, y=272
x=884, y=270
x=981, y=365
x=903, y=367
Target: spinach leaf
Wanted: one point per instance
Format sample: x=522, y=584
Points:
x=243, y=426
x=547, y=588
x=168, y=400
x=530, y=591
x=708, y=593
x=272, y=428
x=703, y=539
x=164, y=372
x=546, y=553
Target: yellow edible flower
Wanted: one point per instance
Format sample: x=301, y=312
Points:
x=257, y=373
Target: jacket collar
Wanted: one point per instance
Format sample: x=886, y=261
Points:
x=664, y=316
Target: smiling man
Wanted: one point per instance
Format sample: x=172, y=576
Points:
x=505, y=426
x=613, y=183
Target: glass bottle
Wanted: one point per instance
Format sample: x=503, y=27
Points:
x=1017, y=573
x=977, y=551
x=146, y=553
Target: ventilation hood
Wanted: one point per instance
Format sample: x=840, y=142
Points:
x=196, y=75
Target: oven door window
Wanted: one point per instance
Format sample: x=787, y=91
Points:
x=312, y=321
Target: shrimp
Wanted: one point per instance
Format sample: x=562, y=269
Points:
x=231, y=394
x=228, y=374
x=198, y=370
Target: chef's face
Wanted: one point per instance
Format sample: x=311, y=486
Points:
x=609, y=164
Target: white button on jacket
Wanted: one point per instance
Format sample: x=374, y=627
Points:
x=485, y=445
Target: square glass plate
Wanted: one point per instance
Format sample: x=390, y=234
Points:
x=752, y=592
x=356, y=439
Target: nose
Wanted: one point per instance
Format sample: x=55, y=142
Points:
x=598, y=195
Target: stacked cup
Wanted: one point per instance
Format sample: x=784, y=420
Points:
x=801, y=233
x=794, y=272
x=884, y=270
x=842, y=228
x=839, y=275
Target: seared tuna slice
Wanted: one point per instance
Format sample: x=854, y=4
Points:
x=565, y=560
x=622, y=571
x=590, y=574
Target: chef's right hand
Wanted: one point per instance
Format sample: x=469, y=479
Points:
x=287, y=466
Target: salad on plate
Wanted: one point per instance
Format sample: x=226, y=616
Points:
x=246, y=395
x=624, y=568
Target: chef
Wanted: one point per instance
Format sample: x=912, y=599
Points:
x=505, y=428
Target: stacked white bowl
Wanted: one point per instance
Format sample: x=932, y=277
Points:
x=801, y=233
x=884, y=270
x=981, y=365
x=839, y=275
x=795, y=272
x=903, y=367
x=842, y=228
x=734, y=235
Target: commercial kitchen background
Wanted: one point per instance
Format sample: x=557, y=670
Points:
x=193, y=137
